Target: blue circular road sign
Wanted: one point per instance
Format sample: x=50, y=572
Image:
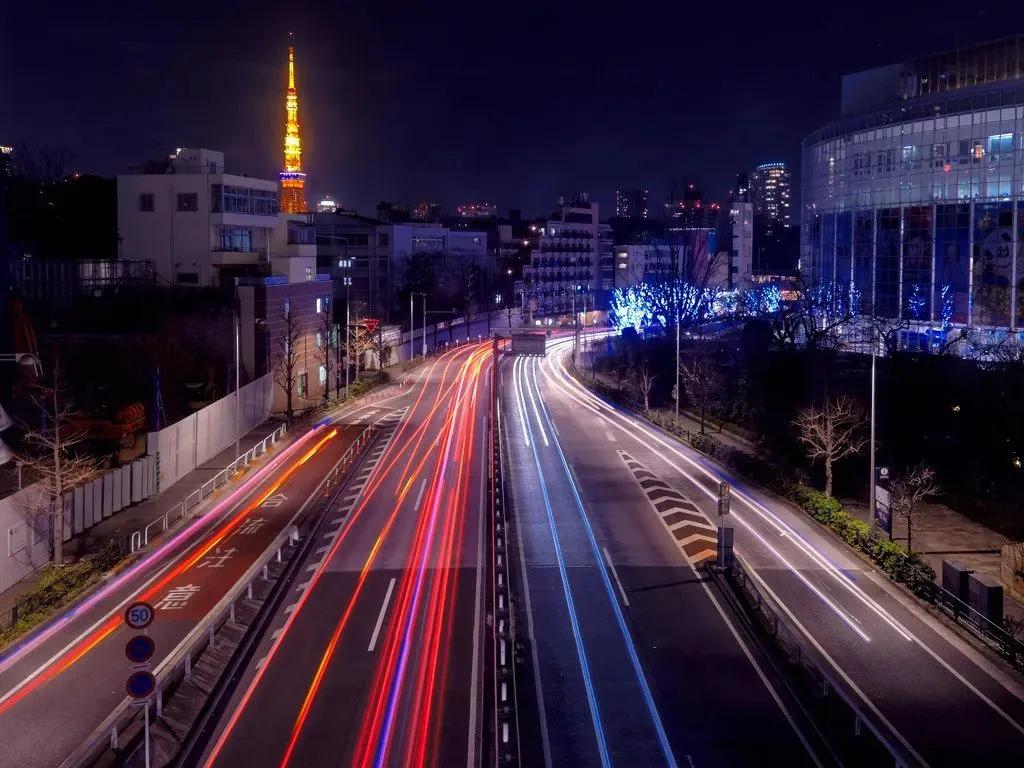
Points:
x=139, y=615
x=139, y=649
x=140, y=685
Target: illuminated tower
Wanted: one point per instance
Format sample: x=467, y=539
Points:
x=293, y=180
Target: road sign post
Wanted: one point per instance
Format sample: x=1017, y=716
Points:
x=139, y=650
x=882, y=513
x=725, y=530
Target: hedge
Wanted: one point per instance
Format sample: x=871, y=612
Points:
x=59, y=587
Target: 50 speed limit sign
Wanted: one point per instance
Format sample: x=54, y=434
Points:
x=139, y=615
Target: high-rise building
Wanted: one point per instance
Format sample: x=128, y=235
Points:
x=6, y=160
x=912, y=202
x=631, y=203
x=741, y=190
x=567, y=267
x=292, y=179
x=770, y=191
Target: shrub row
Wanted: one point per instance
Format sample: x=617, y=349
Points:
x=57, y=588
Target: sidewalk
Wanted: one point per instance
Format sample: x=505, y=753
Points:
x=132, y=518
x=945, y=534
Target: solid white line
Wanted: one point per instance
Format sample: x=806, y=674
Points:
x=615, y=574
x=419, y=495
x=471, y=747
x=380, y=617
x=533, y=404
x=538, y=690
x=846, y=678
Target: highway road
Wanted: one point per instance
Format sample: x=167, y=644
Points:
x=58, y=684
x=375, y=655
x=636, y=661
x=938, y=700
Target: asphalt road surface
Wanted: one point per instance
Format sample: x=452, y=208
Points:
x=937, y=699
x=58, y=684
x=635, y=660
x=374, y=657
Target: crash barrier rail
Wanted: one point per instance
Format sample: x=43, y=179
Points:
x=786, y=632
x=140, y=538
x=1005, y=644
x=506, y=721
x=178, y=666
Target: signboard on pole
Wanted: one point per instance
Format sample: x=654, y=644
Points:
x=141, y=684
x=370, y=324
x=724, y=499
x=883, y=500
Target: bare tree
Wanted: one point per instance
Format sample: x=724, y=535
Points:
x=43, y=163
x=908, y=494
x=286, y=357
x=53, y=459
x=327, y=344
x=469, y=278
x=702, y=380
x=380, y=348
x=359, y=343
x=832, y=432
x=644, y=380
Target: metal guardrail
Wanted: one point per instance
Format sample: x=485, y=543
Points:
x=178, y=665
x=1005, y=644
x=140, y=538
x=506, y=718
x=809, y=655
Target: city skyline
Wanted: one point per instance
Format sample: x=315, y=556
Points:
x=377, y=127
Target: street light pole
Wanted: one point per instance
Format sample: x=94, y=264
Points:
x=678, y=393
x=238, y=378
x=348, y=331
x=871, y=449
x=412, y=352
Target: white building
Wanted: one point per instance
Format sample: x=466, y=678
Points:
x=566, y=268
x=201, y=226
x=741, y=223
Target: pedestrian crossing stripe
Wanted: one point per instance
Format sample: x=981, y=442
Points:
x=694, y=534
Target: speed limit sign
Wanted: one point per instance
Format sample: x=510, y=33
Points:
x=139, y=615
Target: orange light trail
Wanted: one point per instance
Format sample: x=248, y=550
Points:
x=390, y=674
x=113, y=622
x=375, y=481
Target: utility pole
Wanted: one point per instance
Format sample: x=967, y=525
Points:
x=238, y=378
x=348, y=331
x=871, y=449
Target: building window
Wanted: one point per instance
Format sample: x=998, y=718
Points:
x=382, y=239
x=146, y=201
x=188, y=201
x=323, y=375
x=309, y=274
x=188, y=278
x=319, y=339
x=229, y=239
x=302, y=384
x=322, y=303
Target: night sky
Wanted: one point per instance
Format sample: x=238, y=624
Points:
x=515, y=103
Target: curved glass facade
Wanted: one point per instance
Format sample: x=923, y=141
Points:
x=916, y=212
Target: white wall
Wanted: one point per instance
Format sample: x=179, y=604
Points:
x=196, y=439
x=26, y=545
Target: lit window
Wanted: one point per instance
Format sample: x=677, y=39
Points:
x=323, y=375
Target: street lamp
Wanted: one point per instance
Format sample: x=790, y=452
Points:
x=412, y=353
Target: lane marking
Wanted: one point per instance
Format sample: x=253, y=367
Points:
x=419, y=495
x=380, y=616
x=611, y=438
x=615, y=574
x=471, y=760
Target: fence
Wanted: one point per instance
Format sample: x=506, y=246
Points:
x=787, y=633
x=140, y=538
x=178, y=665
x=197, y=438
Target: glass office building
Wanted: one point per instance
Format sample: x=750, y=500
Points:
x=913, y=202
